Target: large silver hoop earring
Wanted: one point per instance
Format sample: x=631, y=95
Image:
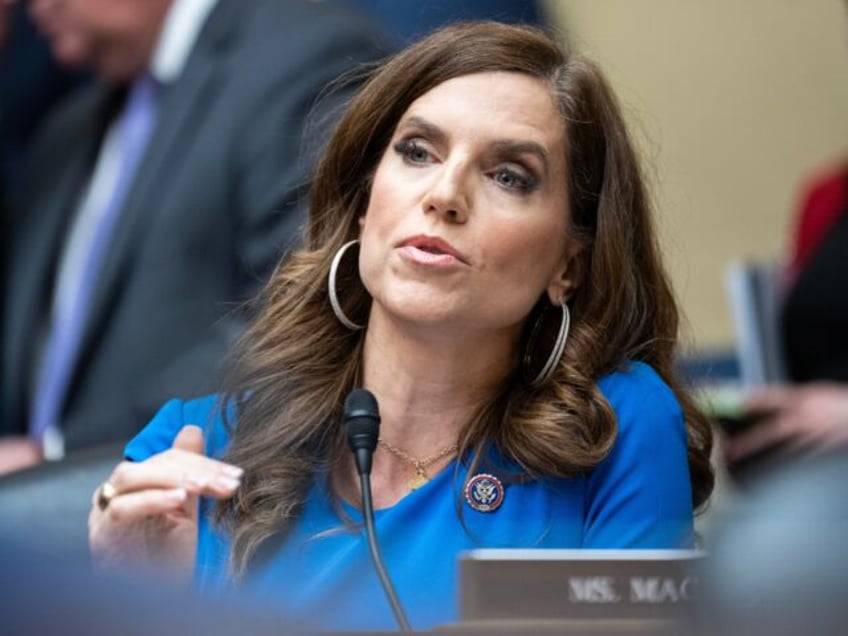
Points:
x=555, y=355
x=334, y=298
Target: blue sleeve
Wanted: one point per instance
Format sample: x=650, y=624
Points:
x=640, y=495
x=160, y=432
x=158, y=436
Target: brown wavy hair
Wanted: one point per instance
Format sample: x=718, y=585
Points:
x=296, y=362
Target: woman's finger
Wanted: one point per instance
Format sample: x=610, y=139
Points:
x=138, y=506
x=178, y=470
x=190, y=439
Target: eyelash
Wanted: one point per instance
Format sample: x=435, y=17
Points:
x=406, y=147
x=524, y=182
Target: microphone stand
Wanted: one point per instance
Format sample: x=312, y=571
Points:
x=376, y=557
x=362, y=428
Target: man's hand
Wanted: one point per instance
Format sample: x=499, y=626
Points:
x=807, y=418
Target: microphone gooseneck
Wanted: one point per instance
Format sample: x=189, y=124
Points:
x=362, y=428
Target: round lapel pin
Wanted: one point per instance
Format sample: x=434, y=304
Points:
x=484, y=492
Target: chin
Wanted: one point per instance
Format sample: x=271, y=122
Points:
x=69, y=54
x=115, y=70
x=421, y=311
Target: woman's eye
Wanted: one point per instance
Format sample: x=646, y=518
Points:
x=412, y=151
x=514, y=180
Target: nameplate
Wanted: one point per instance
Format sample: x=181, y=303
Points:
x=578, y=584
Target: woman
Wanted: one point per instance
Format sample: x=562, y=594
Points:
x=494, y=193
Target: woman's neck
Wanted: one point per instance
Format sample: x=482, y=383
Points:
x=430, y=383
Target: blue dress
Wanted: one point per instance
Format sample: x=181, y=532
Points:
x=321, y=575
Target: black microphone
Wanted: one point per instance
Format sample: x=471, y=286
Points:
x=362, y=427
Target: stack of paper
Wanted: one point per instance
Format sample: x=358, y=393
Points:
x=755, y=295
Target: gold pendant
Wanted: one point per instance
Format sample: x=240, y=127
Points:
x=418, y=480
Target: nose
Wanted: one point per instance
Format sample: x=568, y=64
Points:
x=448, y=195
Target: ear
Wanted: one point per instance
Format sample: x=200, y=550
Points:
x=568, y=276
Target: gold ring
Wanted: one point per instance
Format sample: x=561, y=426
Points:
x=105, y=494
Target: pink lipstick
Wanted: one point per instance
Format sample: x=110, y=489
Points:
x=432, y=250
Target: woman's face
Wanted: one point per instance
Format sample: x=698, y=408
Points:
x=466, y=223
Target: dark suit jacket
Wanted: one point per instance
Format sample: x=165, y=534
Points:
x=409, y=20
x=217, y=200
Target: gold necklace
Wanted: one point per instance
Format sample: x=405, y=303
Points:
x=420, y=477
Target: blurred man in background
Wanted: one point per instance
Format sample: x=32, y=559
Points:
x=155, y=201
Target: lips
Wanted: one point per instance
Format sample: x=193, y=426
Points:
x=434, y=245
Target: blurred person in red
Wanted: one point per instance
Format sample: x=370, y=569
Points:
x=810, y=414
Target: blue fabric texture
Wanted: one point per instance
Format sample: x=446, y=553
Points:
x=321, y=575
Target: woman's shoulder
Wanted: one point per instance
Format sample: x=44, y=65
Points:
x=634, y=379
x=640, y=494
x=159, y=434
x=637, y=393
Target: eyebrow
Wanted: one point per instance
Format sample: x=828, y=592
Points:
x=501, y=147
x=515, y=147
x=428, y=128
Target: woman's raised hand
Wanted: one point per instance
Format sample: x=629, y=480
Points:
x=145, y=515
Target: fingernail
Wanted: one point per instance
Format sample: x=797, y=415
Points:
x=233, y=471
x=228, y=482
x=197, y=482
